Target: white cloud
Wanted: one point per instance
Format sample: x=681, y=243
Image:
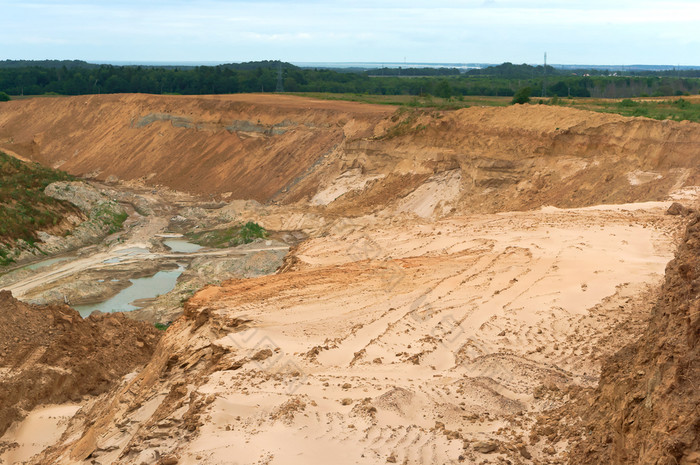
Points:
x=313, y=30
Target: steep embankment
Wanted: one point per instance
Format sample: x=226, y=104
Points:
x=520, y=157
x=645, y=409
x=356, y=158
x=250, y=146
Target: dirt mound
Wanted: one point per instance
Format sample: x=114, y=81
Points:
x=49, y=354
x=646, y=406
x=354, y=158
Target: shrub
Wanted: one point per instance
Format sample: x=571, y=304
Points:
x=251, y=231
x=682, y=103
x=229, y=237
x=4, y=97
x=522, y=96
x=5, y=259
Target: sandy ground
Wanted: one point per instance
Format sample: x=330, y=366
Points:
x=41, y=428
x=430, y=343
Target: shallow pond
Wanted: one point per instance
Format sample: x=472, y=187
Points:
x=181, y=246
x=50, y=261
x=141, y=288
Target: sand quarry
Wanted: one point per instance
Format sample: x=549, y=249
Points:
x=463, y=273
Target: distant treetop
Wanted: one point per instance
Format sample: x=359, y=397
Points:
x=264, y=64
x=46, y=64
x=511, y=71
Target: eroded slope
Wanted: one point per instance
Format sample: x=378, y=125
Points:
x=416, y=325
x=355, y=159
x=646, y=405
x=250, y=147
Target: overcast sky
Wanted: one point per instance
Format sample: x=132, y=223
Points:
x=572, y=32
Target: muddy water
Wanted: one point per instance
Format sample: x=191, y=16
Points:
x=181, y=246
x=50, y=261
x=141, y=288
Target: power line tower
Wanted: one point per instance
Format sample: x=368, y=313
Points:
x=280, y=86
x=544, y=80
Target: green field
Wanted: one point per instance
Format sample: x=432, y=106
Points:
x=660, y=108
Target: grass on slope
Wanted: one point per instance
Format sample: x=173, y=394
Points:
x=24, y=208
x=678, y=110
x=425, y=101
x=106, y=215
x=673, y=108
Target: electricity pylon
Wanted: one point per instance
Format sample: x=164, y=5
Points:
x=280, y=86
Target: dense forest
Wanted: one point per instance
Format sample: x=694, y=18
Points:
x=78, y=77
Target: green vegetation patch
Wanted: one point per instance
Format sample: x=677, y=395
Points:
x=106, y=214
x=24, y=208
x=228, y=237
x=672, y=109
x=438, y=88
x=24, y=78
x=5, y=259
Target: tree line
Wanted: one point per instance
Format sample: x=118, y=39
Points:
x=77, y=78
